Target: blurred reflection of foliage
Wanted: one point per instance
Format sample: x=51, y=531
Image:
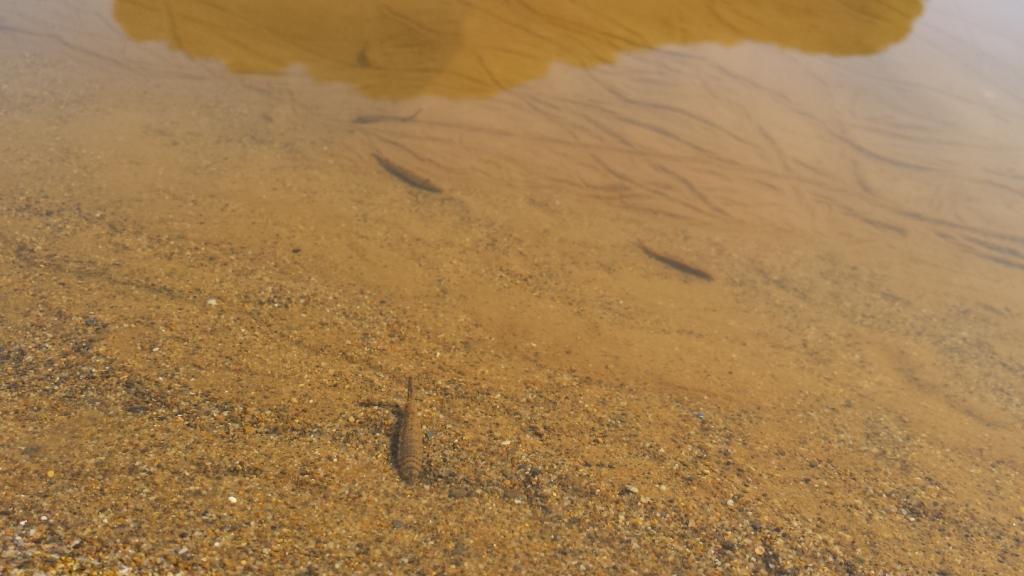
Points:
x=396, y=49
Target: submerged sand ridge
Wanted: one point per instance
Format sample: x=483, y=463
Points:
x=211, y=295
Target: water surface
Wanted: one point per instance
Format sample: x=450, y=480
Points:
x=762, y=261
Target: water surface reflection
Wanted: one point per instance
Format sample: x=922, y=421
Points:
x=401, y=48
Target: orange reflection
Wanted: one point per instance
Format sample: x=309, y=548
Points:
x=401, y=48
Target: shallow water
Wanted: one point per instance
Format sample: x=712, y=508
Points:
x=806, y=215
x=755, y=112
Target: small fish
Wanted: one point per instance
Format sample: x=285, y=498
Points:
x=376, y=118
x=406, y=175
x=676, y=264
x=410, y=440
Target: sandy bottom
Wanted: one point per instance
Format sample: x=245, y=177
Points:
x=210, y=304
x=215, y=387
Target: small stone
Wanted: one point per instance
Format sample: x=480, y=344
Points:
x=730, y=502
x=50, y=473
x=759, y=550
x=232, y=499
x=506, y=442
x=628, y=489
x=212, y=302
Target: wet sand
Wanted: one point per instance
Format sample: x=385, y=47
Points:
x=699, y=309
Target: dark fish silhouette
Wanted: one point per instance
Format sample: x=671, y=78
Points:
x=676, y=264
x=406, y=175
x=410, y=440
x=375, y=118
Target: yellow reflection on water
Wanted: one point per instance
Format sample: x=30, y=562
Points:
x=401, y=48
